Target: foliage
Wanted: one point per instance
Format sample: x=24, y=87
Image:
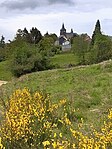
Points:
x=2, y=41
x=102, y=49
x=103, y=44
x=10, y=47
x=54, y=36
x=79, y=47
x=46, y=46
x=35, y=35
x=96, y=32
x=33, y=121
x=2, y=54
x=1, y=146
x=2, y=49
x=32, y=37
x=26, y=59
x=5, y=73
x=87, y=88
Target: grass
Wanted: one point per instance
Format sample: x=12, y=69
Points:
x=5, y=73
x=64, y=60
x=88, y=89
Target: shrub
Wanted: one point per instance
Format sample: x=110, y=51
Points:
x=2, y=54
x=101, y=50
x=1, y=146
x=33, y=121
x=27, y=59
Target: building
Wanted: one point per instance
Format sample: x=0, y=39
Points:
x=65, y=38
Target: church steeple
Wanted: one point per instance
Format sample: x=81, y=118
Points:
x=63, y=27
x=71, y=30
x=63, y=30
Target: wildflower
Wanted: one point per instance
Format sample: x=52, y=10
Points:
x=55, y=135
x=1, y=146
x=110, y=114
x=46, y=143
x=74, y=146
x=54, y=145
x=60, y=135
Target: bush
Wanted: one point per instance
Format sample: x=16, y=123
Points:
x=27, y=59
x=2, y=54
x=33, y=121
x=102, y=49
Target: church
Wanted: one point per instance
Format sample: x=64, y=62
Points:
x=65, y=38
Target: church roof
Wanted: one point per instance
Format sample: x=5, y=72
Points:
x=62, y=36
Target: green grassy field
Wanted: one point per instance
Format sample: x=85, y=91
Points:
x=64, y=60
x=5, y=73
x=87, y=89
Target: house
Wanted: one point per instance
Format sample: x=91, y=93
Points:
x=66, y=46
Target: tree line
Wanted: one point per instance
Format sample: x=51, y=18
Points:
x=94, y=50
x=29, y=51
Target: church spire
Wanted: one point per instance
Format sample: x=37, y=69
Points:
x=63, y=26
x=63, y=30
x=71, y=30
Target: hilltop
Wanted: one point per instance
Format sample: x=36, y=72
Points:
x=87, y=88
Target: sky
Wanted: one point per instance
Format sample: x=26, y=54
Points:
x=48, y=16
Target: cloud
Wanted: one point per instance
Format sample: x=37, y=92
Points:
x=20, y=4
x=61, y=2
x=31, y=4
x=48, y=15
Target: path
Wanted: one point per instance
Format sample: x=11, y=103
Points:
x=2, y=82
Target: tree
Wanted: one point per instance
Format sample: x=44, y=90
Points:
x=26, y=35
x=54, y=36
x=96, y=32
x=2, y=48
x=46, y=34
x=19, y=35
x=32, y=37
x=102, y=48
x=35, y=35
x=2, y=41
x=27, y=58
x=46, y=45
x=79, y=47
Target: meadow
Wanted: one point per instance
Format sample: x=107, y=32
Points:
x=86, y=89
x=64, y=60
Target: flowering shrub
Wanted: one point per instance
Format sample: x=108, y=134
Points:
x=33, y=121
x=1, y=146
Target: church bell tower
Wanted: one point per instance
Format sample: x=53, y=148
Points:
x=63, y=30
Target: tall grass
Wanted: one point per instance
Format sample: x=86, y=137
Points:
x=87, y=89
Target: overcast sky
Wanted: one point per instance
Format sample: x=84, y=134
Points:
x=48, y=15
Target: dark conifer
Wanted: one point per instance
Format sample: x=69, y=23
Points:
x=96, y=32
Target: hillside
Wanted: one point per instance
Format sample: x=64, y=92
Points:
x=5, y=73
x=86, y=88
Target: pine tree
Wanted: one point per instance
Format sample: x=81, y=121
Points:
x=96, y=32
